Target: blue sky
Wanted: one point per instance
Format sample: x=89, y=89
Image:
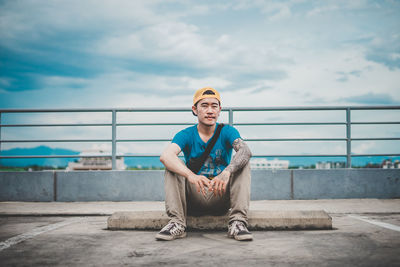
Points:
x=156, y=53
x=153, y=53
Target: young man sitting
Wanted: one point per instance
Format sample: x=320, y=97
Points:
x=220, y=185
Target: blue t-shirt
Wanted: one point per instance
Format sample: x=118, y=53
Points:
x=220, y=156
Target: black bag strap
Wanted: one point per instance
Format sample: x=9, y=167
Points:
x=209, y=147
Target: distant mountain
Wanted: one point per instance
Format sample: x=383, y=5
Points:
x=62, y=162
x=146, y=162
x=37, y=151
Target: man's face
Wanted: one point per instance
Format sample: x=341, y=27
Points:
x=207, y=111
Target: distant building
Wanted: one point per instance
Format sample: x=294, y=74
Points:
x=323, y=165
x=388, y=164
x=264, y=164
x=95, y=163
x=330, y=165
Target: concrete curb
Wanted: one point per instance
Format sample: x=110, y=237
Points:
x=258, y=220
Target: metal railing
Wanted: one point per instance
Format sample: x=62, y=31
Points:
x=347, y=122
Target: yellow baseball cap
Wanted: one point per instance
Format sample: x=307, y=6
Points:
x=206, y=92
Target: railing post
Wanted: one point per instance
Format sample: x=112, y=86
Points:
x=230, y=117
x=114, y=135
x=0, y=133
x=348, y=137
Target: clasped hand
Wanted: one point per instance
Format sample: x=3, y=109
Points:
x=217, y=185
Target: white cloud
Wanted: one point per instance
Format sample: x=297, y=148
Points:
x=364, y=148
x=320, y=10
x=284, y=12
x=64, y=82
x=164, y=42
x=395, y=56
x=24, y=22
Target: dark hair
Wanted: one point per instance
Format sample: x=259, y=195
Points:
x=208, y=92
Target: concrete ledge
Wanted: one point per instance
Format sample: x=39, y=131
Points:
x=258, y=220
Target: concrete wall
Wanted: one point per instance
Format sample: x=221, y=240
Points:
x=149, y=185
x=110, y=186
x=27, y=186
x=351, y=183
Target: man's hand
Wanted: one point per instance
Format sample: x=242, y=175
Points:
x=200, y=181
x=219, y=183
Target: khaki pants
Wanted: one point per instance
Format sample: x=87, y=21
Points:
x=182, y=198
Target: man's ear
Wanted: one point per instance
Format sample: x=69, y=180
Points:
x=194, y=110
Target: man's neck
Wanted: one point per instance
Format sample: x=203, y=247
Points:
x=205, y=130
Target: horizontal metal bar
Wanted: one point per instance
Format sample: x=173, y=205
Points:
x=145, y=156
x=54, y=110
x=127, y=156
x=290, y=123
x=327, y=155
x=168, y=139
x=53, y=141
x=155, y=124
x=96, y=124
x=143, y=140
x=310, y=108
x=375, y=139
x=94, y=110
x=299, y=108
x=296, y=108
x=294, y=139
x=192, y=123
x=373, y=107
x=156, y=156
x=376, y=122
x=374, y=155
x=287, y=155
x=154, y=110
x=300, y=155
x=55, y=156
x=54, y=125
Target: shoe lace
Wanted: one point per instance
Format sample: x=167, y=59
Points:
x=170, y=226
x=241, y=226
x=237, y=226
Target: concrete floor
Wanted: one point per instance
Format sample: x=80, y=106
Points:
x=366, y=233
x=84, y=241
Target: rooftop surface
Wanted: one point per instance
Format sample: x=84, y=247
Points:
x=366, y=232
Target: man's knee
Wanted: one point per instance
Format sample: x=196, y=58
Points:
x=243, y=173
x=171, y=178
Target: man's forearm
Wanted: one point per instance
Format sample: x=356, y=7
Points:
x=171, y=161
x=241, y=158
x=174, y=164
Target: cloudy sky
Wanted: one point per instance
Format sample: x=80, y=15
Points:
x=156, y=53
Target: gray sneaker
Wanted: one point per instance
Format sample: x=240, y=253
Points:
x=171, y=231
x=238, y=231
